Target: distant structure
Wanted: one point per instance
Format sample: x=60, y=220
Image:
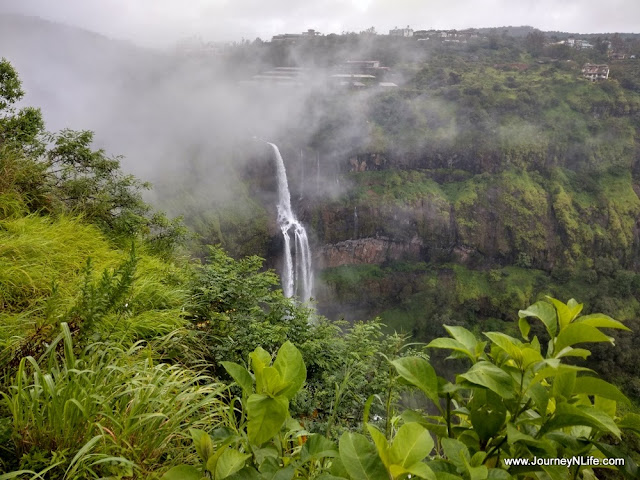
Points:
x=295, y=37
x=454, y=36
x=401, y=32
x=361, y=74
x=350, y=74
x=280, y=76
x=369, y=67
x=617, y=56
x=576, y=43
x=595, y=72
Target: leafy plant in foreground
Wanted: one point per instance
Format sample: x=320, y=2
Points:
x=260, y=440
x=517, y=400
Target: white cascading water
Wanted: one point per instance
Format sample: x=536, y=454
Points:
x=297, y=278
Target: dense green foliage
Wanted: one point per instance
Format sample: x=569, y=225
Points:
x=516, y=401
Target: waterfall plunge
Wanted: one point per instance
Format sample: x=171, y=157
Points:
x=297, y=277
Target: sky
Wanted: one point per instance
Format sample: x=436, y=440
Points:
x=165, y=22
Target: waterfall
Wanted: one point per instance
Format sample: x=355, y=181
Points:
x=301, y=175
x=355, y=222
x=297, y=277
x=317, y=172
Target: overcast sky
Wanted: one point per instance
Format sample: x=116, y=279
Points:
x=164, y=22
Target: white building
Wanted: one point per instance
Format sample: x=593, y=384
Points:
x=401, y=32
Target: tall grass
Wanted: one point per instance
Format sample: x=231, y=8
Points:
x=106, y=411
x=43, y=270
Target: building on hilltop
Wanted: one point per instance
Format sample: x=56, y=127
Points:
x=295, y=37
x=576, y=43
x=456, y=36
x=361, y=74
x=401, y=32
x=595, y=72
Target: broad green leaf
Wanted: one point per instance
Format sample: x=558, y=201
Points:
x=273, y=383
x=525, y=328
x=290, y=365
x=569, y=442
x=240, y=375
x=419, y=373
x=610, y=407
x=439, y=429
x=530, y=357
x=411, y=444
x=573, y=352
x=261, y=454
x=367, y=408
x=382, y=446
x=203, y=443
x=486, y=374
x=337, y=468
x=318, y=446
x=247, y=473
x=579, y=333
x=498, y=474
x=276, y=472
x=457, y=452
x=540, y=396
x=213, y=459
x=293, y=426
x=566, y=312
x=230, y=462
x=442, y=475
x=545, y=312
x=631, y=421
x=418, y=469
x=478, y=459
x=464, y=336
x=601, y=388
x=477, y=473
x=509, y=345
x=487, y=413
x=514, y=436
x=451, y=344
x=266, y=416
x=182, y=472
x=563, y=383
x=602, y=321
x=555, y=472
x=360, y=458
x=551, y=370
x=629, y=469
x=569, y=415
x=260, y=359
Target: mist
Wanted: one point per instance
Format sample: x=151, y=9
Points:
x=181, y=116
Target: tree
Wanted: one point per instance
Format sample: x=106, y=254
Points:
x=22, y=128
x=601, y=45
x=617, y=43
x=534, y=43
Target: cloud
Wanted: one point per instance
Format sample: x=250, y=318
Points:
x=163, y=22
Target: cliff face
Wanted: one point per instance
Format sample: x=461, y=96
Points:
x=512, y=217
x=368, y=251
